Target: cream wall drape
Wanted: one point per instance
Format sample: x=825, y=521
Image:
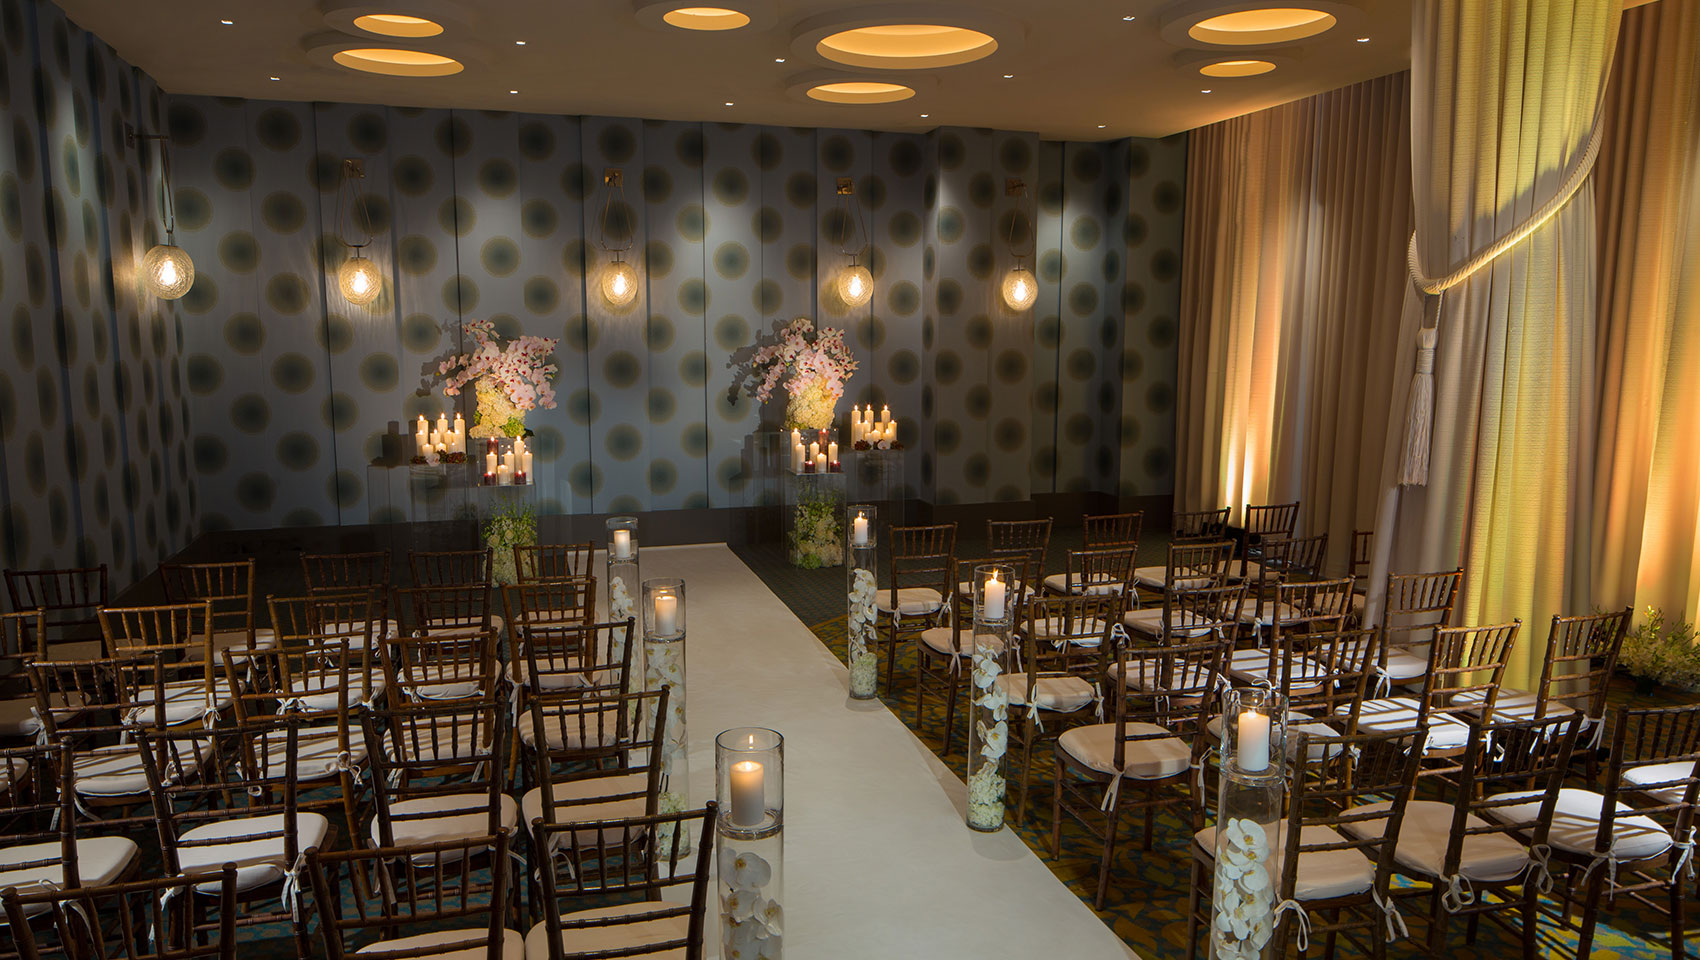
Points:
x=1647, y=470
x=1296, y=222
x=1504, y=98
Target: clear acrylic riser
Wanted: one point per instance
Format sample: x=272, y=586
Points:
x=813, y=509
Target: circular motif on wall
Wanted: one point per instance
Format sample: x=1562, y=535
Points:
x=497, y=177
x=538, y=218
x=623, y=442
x=282, y=212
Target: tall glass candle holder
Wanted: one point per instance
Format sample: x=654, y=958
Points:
x=861, y=548
x=749, y=777
x=988, y=727
x=623, y=582
x=1248, y=814
x=664, y=666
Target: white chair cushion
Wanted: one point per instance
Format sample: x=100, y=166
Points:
x=558, y=673
x=587, y=730
x=1323, y=874
x=1405, y=664
x=18, y=717
x=264, y=639
x=325, y=693
x=258, y=862
x=447, y=741
x=317, y=749
x=1399, y=714
x=1095, y=746
x=1252, y=666
x=1576, y=824
x=585, y=788
x=115, y=771
x=965, y=589
x=1421, y=849
x=1155, y=578
x=1638, y=778
x=100, y=860
x=1297, y=723
x=451, y=630
x=455, y=816
x=1060, y=694
x=1086, y=633
x=1514, y=704
x=389, y=631
x=1148, y=622
x=911, y=601
x=596, y=939
x=1253, y=570
x=513, y=945
x=185, y=701
x=937, y=639
x=1271, y=612
x=1099, y=587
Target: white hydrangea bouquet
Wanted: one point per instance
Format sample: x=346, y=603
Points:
x=814, y=364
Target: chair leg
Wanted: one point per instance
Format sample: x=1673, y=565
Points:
x=1056, y=809
x=1678, y=918
x=891, y=656
x=1026, y=774
x=1437, y=917
x=1532, y=921
x=1110, y=824
x=1192, y=898
x=920, y=689
x=950, y=698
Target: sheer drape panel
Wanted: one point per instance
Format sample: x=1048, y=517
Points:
x=1504, y=95
x=1291, y=286
x=1647, y=473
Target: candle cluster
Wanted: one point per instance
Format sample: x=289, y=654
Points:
x=820, y=456
x=863, y=426
x=510, y=468
x=435, y=441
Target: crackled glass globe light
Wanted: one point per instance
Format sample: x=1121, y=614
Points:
x=855, y=285
x=360, y=280
x=168, y=271
x=619, y=283
x=1020, y=289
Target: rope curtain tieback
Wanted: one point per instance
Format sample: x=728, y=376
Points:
x=1419, y=423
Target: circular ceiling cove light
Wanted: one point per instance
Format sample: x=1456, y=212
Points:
x=1263, y=25
x=706, y=18
x=860, y=91
x=907, y=46
x=398, y=25
x=397, y=63
x=1236, y=68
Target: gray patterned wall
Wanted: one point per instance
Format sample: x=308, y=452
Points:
x=93, y=418
x=735, y=227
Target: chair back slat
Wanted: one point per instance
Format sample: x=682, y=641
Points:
x=452, y=608
x=1198, y=525
x=422, y=888
x=1023, y=538
x=563, y=601
x=922, y=556
x=227, y=587
x=542, y=562
x=1271, y=520
x=1581, y=657
x=152, y=919
x=450, y=568
x=1417, y=602
x=72, y=598
x=1112, y=529
x=23, y=637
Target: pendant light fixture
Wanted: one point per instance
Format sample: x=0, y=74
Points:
x=167, y=270
x=1020, y=288
x=855, y=282
x=358, y=277
x=619, y=278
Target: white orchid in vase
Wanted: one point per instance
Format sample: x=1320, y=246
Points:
x=752, y=924
x=814, y=365
x=1244, y=914
x=864, y=667
x=990, y=740
x=511, y=378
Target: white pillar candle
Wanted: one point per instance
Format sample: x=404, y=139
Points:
x=856, y=428
x=859, y=530
x=796, y=458
x=526, y=465
x=490, y=462
x=885, y=414
x=832, y=451
x=442, y=423
x=820, y=463
x=994, y=602
x=666, y=615
x=460, y=434
x=814, y=450
x=503, y=475
x=796, y=435
x=749, y=803
x=1253, y=752
x=622, y=544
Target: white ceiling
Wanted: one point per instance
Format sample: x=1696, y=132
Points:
x=1076, y=63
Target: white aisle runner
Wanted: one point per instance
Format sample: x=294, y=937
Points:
x=878, y=861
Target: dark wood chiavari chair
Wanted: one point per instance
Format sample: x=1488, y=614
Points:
x=360, y=615
x=1415, y=604
x=630, y=860
x=431, y=667
x=1111, y=529
x=1293, y=610
x=449, y=568
x=183, y=634
x=922, y=561
x=942, y=653
x=542, y=562
x=229, y=589
x=338, y=573
x=1285, y=560
x=1149, y=752
x=432, y=900
x=1020, y=538
x=1062, y=656
x=152, y=919
x=1199, y=603
x=448, y=610
x=566, y=601
x=72, y=598
x=1339, y=879
x=1097, y=571
x=118, y=696
x=22, y=639
x=589, y=658
x=1264, y=522
x=1190, y=564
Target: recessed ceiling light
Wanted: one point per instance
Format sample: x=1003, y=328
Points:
x=519, y=43
x=228, y=23
x=778, y=59
x=1009, y=76
x=395, y=62
x=706, y=18
x=860, y=91
x=513, y=91
x=728, y=103
x=1363, y=39
x=1127, y=18
x=1204, y=91
x=274, y=78
x=925, y=116
x=398, y=25
x=1236, y=68
x=907, y=46
x=1262, y=25
x=1102, y=125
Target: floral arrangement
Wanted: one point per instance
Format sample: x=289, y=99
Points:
x=864, y=446
x=864, y=667
x=753, y=926
x=511, y=378
x=1244, y=916
x=816, y=536
x=990, y=741
x=1656, y=653
x=664, y=666
x=814, y=365
x=512, y=523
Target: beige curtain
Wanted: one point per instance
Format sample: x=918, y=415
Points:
x=1294, y=267
x=1647, y=472
x=1504, y=96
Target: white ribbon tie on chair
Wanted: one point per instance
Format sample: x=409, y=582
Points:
x=1396, y=929
x=1459, y=894
x=1300, y=918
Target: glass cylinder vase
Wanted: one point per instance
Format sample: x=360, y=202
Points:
x=861, y=549
x=988, y=727
x=664, y=666
x=749, y=764
x=1249, y=806
x=624, y=584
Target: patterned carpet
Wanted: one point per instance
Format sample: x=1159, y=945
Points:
x=1147, y=901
